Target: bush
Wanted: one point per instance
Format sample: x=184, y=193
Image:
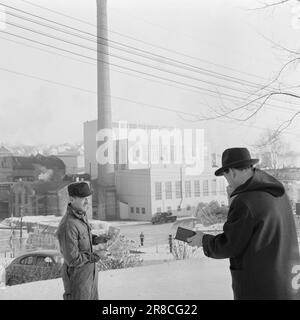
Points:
x=121, y=255
x=211, y=213
x=181, y=250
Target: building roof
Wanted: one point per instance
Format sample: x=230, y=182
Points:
x=3, y=150
x=48, y=186
x=27, y=163
x=41, y=252
x=50, y=162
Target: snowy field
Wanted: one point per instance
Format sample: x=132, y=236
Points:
x=192, y=279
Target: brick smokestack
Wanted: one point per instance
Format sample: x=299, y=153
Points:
x=107, y=204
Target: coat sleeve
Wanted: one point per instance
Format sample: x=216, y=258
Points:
x=237, y=232
x=68, y=241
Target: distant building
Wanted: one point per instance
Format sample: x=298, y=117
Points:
x=71, y=162
x=40, y=198
x=165, y=188
x=34, y=168
x=290, y=178
x=149, y=187
x=4, y=152
x=5, y=199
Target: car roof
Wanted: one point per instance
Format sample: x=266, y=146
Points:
x=41, y=252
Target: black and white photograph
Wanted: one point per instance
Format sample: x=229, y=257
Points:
x=149, y=151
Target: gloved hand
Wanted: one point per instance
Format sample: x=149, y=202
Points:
x=196, y=240
x=95, y=257
x=99, y=239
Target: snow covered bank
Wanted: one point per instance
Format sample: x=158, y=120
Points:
x=177, y=280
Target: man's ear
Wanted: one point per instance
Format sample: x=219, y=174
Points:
x=233, y=172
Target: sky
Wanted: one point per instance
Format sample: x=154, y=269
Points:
x=47, y=96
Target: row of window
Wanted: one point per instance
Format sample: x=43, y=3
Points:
x=137, y=210
x=169, y=208
x=188, y=189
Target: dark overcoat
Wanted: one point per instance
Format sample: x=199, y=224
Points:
x=260, y=239
x=79, y=272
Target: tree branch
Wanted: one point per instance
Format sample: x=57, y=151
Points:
x=266, y=6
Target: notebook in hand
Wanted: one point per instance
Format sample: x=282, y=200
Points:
x=182, y=234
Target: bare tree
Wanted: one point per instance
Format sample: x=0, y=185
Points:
x=256, y=100
x=273, y=152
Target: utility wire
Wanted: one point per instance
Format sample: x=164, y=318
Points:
x=121, y=72
x=141, y=41
x=162, y=59
x=136, y=102
x=140, y=72
x=133, y=61
x=158, y=58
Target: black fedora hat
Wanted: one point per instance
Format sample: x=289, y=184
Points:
x=79, y=189
x=235, y=157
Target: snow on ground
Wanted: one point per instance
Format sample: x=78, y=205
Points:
x=52, y=220
x=160, y=276
x=217, y=226
x=190, y=279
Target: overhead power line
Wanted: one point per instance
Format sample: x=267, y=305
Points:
x=136, y=51
x=137, y=71
x=142, y=41
x=130, y=60
x=126, y=73
x=220, y=85
x=120, y=98
x=153, y=56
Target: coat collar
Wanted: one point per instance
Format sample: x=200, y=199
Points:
x=81, y=215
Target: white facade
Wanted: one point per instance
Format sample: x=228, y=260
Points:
x=90, y=147
x=147, y=191
x=147, y=188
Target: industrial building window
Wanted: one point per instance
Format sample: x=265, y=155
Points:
x=169, y=209
x=197, y=188
x=205, y=187
x=214, y=187
x=143, y=210
x=131, y=209
x=178, y=189
x=168, y=187
x=158, y=210
x=137, y=210
x=188, y=188
x=158, y=191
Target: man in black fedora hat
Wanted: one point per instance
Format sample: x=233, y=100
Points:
x=79, y=273
x=259, y=236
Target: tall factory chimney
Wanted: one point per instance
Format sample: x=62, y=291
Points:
x=106, y=190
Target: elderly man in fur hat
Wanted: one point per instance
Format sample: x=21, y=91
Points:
x=259, y=236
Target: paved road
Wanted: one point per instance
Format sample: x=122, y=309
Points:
x=153, y=234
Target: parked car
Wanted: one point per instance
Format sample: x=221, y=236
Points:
x=34, y=266
x=163, y=217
